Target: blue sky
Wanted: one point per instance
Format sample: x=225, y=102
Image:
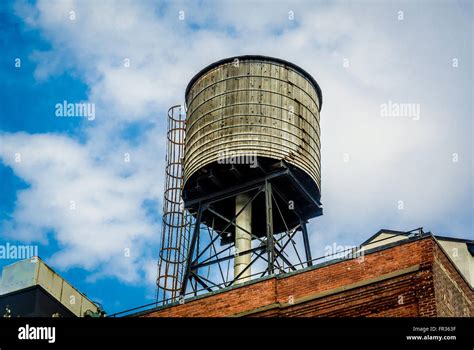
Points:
x=378, y=171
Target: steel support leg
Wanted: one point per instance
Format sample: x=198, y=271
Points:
x=307, y=248
x=269, y=221
x=192, y=245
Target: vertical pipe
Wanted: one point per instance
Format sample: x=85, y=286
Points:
x=243, y=240
x=307, y=249
x=269, y=222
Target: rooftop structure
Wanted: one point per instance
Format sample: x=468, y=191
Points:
x=393, y=273
x=30, y=288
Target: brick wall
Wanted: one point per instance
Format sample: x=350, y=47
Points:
x=453, y=295
x=395, y=297
x=396, y=281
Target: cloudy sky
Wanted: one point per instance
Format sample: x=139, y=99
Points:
x=89, y=192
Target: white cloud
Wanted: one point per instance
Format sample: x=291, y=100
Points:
x=97, y=214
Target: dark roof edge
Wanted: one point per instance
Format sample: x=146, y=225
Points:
x=453, y=239
x=258, y=58
x=19, y=291
x=379, y=232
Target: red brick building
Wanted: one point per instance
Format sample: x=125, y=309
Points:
x=398, y=275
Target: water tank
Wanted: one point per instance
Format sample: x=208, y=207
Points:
x=246, y=117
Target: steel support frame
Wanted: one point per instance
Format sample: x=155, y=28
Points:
x=267, y=245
